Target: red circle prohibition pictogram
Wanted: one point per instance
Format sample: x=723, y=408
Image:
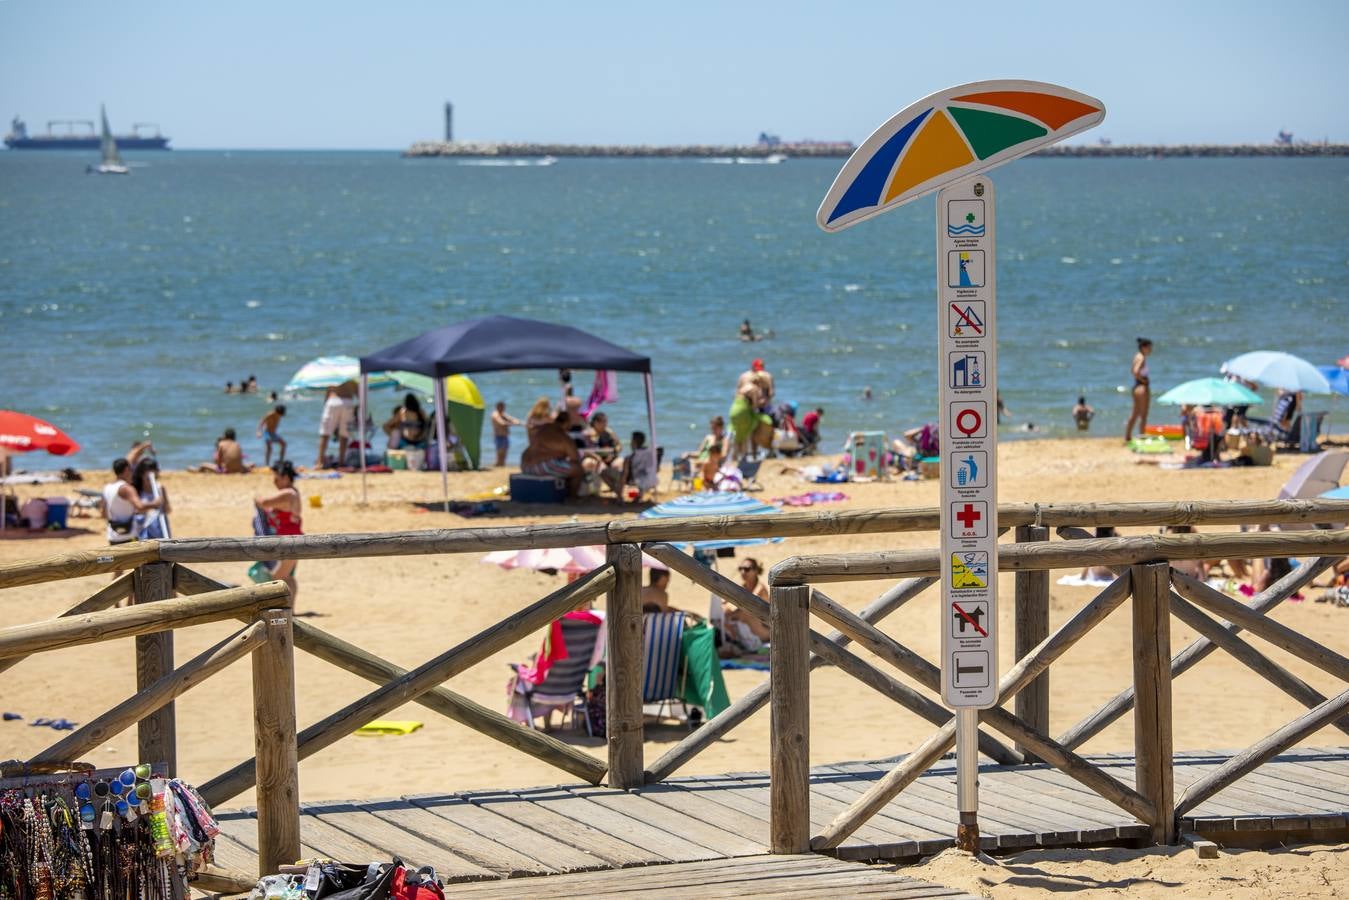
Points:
x=965, y=417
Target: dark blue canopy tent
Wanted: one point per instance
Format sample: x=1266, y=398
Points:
x=497, y=343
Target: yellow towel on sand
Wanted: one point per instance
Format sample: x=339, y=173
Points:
x=387, y=726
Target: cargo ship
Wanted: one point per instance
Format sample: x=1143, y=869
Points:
x=74, y=136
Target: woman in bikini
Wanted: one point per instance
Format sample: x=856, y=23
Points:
x=1142, y=392
x=282, y=510
x=743, y=629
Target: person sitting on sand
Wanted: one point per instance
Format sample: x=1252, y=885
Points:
x=655, y=597
x=283, y=512
x=408, y=424
x=121, y=504
x=229, y=457
x=540, y=414
x=743, y=630
x=552, y=452
x=267, y=430
x=711, y=451
x=1099, y=574
x=639, y=467
x=1082, y=414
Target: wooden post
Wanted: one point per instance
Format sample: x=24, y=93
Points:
x=789, y=681
x=1152, y=688
x=278, y=767
x=1032, y=627
x=157, y=733
x=623, y=674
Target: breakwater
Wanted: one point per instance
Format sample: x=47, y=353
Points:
x=467, y=149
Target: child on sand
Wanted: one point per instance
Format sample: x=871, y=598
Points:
x=267, y=430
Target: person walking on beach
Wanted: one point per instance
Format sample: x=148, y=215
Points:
x=267, y=430
x=1142, y=390
x=282, y=511
x=338, y=414
x=501, y=431
x=1082, y=414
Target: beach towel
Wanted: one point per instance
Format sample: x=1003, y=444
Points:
x=604, y=390
x=758, y=661
x=811, y=498
x=703, y=683
x=387, y=726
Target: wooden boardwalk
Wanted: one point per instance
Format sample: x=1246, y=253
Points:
x=486, y=835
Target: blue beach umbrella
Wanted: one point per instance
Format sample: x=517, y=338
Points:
x=714, y=503
x=1210, y=392
x=1337, y=377
x=1340, y=493
x=1279, y=370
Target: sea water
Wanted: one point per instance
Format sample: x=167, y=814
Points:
x=127, y=303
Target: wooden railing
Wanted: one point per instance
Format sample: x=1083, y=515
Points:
x=1144, y=575
x=151, y=619
x=161, y=571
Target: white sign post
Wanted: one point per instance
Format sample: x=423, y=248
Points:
x=946, y=142
x=967, y=362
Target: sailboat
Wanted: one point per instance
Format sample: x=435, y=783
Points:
x=112, y=163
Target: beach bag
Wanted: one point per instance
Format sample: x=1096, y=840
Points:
x=344, y=881
x=419, y=885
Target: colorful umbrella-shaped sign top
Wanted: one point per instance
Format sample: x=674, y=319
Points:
x=20, y=434
x=1210, y=392
x=951, y=134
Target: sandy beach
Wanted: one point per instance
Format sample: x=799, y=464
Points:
x=411, y=608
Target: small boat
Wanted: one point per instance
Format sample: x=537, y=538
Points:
x=112, y=162
x=771, y=159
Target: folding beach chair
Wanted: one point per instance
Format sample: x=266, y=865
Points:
x=563, y=686
x=663, y=662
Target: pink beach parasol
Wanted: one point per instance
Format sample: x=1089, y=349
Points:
x=571, y=560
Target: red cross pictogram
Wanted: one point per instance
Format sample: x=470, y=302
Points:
x=969, y=515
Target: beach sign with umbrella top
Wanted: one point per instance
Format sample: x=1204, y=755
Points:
x=946, y=143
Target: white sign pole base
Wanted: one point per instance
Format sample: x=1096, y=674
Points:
x=967, y=362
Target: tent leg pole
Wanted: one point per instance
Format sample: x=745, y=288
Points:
x=440, y=437
x=360, y=427
x=651, y=421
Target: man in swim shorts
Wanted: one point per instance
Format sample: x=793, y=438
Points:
x=267, y=430
x=552, y=453
x=501, y=431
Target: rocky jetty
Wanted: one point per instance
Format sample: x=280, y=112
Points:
x=467, y=149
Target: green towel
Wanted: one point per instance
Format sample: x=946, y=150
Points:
x=703, y=683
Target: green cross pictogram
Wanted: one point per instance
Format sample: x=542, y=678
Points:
x=969, y=217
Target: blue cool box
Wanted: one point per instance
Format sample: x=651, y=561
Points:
x=537, y=489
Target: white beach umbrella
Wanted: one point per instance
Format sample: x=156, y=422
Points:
x=1279, y=370
x=331, y=371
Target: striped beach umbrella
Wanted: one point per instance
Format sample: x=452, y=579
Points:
x=714, y=503
x=331, y=371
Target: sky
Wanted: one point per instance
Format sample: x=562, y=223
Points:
x=344, y=75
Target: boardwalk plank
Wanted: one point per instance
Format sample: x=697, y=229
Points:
x=500, y=859
x=936, y=817
x=232, y=855
x=724, y=842
x=763, y=876
x=690, y=803
x=546, y=851
x=660, y=844
x=540, y=819
x=334, y=843
x=242, y=827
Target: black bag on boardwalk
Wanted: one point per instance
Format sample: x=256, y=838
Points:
x=342, y=881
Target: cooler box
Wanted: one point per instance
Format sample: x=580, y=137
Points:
x=416, y=458
x=396, y=459
x=57, y=510
x=930, y=466
x=538, y=489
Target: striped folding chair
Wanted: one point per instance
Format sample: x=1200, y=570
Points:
x=663, y=667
